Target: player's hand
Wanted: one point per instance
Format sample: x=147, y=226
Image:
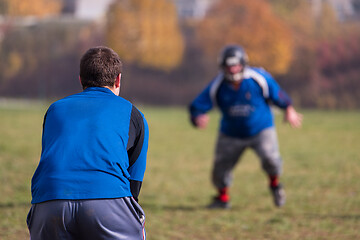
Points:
x=201, y=121
x=292, y=117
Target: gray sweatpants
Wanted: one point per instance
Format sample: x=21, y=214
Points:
x=229, y=150
x=120, y=218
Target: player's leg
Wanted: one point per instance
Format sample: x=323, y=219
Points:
x=227, y=153
x=111, y=219
x=52, y=220
x=266, y=146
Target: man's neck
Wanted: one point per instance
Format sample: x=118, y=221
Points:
x=236, y=85
x=113, y=89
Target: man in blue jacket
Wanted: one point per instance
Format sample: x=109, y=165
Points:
x=243, y=94
x=93, y=159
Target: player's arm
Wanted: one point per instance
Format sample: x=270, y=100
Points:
x=46, y=125
x=200, y=121
x=281, y=99
x=199, y=107
x=43, y=130
x=293, y=117
x=137, y=150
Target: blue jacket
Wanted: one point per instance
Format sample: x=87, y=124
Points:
x=94, y=145
x=245, y=111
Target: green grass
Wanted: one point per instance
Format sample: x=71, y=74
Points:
x=321, y=176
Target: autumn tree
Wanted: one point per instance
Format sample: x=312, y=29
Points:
x=41, y=60
x=251, y=24
x=325, y=69
x=38, y=8
x=285, y=7
x=145, y=32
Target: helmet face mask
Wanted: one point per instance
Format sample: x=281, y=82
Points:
x=234, y=77
x=234, y=72
x=231, y=56
x=230, y=61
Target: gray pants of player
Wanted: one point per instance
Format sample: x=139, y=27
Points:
x=120, y=218
x=229, y=150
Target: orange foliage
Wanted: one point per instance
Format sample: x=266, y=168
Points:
x=325, y=70
x=146, y=32
x=252, y=24
x=38, y=8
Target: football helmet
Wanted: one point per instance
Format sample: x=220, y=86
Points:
x=233, y=55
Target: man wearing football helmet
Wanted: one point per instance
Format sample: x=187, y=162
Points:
x=244, y=96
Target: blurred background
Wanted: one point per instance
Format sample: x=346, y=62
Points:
x=170, y=47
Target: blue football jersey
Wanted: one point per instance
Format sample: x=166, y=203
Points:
x=246, y=109
x=94, y=146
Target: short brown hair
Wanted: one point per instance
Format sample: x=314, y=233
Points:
x=99, y=67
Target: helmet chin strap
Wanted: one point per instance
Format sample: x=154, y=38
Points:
x=234, y=78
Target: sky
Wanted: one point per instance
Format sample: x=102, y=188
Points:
x=91, y=9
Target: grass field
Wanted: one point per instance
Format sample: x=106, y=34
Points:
x=321, y=176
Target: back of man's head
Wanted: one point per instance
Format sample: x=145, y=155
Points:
x=99, y=67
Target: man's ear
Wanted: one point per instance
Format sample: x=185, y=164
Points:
x=81, y=83
x=118, y=81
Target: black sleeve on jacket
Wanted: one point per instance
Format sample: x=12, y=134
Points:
x=135, y=187
x=43, y=130
x=134, y=145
